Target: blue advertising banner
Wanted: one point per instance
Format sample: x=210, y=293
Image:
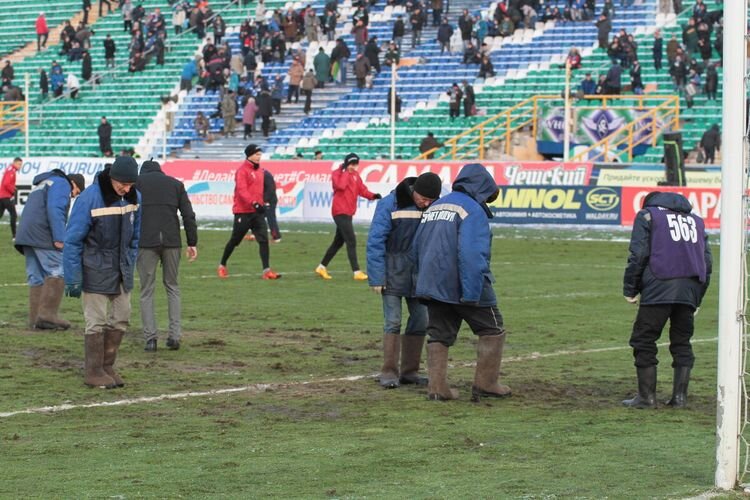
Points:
x=558, y=205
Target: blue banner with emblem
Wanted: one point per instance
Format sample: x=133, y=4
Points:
x=558, y=205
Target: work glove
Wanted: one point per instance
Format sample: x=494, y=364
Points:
x=73, y=290
x=259, y=208
x=377, y=196
x=377, y=289
x=632, y=300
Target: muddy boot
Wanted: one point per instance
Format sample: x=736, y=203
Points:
x=489, y=357
x=389, y=373
x=35, y=297
x=437, y=368
x=112, y=339
x=411, y=355
x=52, y=293
x=95, y=376
x=646, y=397
x=679, y=387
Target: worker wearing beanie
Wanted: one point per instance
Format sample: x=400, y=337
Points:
x=40, y=239
x=249, y=211
x=389, y=264
x=347, y=187
x=99, y=256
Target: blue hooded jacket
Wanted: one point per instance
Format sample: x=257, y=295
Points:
x=45, y=212
x=452, y=246
x=101, y=244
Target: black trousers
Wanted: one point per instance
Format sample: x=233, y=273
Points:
x=344, y=234
x=444, y=321
x=9, y=204
x=242, y=224
x=647, y=329
x=273, y=224
x=308, y=100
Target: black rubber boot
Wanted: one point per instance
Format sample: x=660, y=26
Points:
x=646, y=397
x=680, y=387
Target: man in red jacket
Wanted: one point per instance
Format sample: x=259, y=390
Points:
x=8, y=192
x=249, y=212
x=347, y=187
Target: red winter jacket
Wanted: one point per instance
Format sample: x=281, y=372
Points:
x=41, y=26
x=248, y=188
x=8, y=184
x=346, y=187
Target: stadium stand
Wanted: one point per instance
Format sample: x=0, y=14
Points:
x=18, y=18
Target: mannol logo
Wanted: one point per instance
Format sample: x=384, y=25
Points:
x=550, y=199
x=602, y=199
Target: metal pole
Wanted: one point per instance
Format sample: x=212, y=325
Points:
x=26, y=85
x=393, y=112
x=164, y=139
x=566, y=119
x=733, y=172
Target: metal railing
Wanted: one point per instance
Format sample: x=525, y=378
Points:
x=12, y=116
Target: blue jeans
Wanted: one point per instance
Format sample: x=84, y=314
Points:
x=42, y=263
x=415, y=325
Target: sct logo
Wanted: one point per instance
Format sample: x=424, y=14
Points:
x=602, y=199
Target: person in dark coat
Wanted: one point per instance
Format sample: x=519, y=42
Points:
x=86, y=69
x=101, y=245
x=455, y=95
x=110, y=48
x=361, y=70
x=636, y=83
x=710, y=143
x=372, y=53
x=391, y=275
x=444, y=34
x=428, y=144
x=265, y=109
x=162, y=197
x=398, y=31
x=40, y=239
x=451, y=251
x=613, y=81
x=271, y=200
x=712, y=82
x=105, y=137
x=658, y=50
x=469, y=99
x=43, y=83
x=322, y=64
x=669, y=266
x=603, y=27
x=341, y=54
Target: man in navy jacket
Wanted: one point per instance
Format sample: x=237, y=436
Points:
x=670, y=267
x=390, y=267
x=40, y=239
x=101, y=246
x=452, y=247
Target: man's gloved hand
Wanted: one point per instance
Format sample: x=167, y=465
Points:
x=377, y=196
x=259, y=208
x=73, y=290
x=377, y=289
x=632, y=300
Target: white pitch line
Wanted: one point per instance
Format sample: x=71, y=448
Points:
x=258, y=388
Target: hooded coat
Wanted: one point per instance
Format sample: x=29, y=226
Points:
x=452, y=246
x=639, y=276
x=45, y=212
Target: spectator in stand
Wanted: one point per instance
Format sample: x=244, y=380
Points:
x=469, y=100
x=588, y=86
x=361, y=70
x=296, y=72
x=444, y=34
x=437, y=12
x=42, y=32
x=309, y=82
x=359, y=31
x=573, y=58
x=318, y=155
x=636, y=83
x=322, y=65
x=428, y=144
x=179, y=15
x=202, y=126
x=614, y=80
x=86, y=66
x=104, y=131
x=110, y=48
x=471, y=56
x=347, y=187
x=372, y=53
x=220, y=29
x=8, y=193
x=160, y=243
x=329, y=24
x=486, y=70
x=249, y=210
x=265, y=109
x=228, y=112
x=73, y=84
x=312, y=24
x=7, y=74
x=399, y=103
x=101, y=4
x=710, y=143
x=673, y=46
x=137, y=62
x=189, y=71
x=601, y=84
x=416, y=20
x=127, y=15
x=466, y=26
x=398, y=30
x=276, y=93
x=678, y=72
x=43, y=83
x=658, y=50
x=86, y=8
x=57, y=79
x=454, y=101
x=712, y=82
x=340, y=59
x=392, y=56
x=603, y=27
x=248, y=116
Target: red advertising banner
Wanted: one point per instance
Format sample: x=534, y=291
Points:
x=706, y=202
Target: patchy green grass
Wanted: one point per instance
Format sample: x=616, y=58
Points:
x=299, y=430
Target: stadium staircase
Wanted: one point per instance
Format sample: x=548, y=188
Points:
x=18, y=23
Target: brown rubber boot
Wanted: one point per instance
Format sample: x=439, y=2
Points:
x=35, y=296
x=437, y=367
x=52, y=294
x=411, y=355
x=95, y=376
x=489, y=357
x=389, y=373
x=112, y=339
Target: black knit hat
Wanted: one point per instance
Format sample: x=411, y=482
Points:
x=251, y=149
x=124, y=169
x=78, y=180
x=350, y=159
x=428, y=185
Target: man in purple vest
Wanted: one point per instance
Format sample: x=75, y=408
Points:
x=670, y=267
